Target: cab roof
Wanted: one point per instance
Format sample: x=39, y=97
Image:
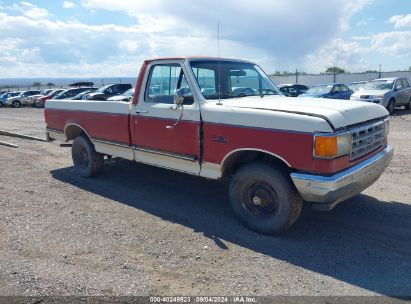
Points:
x=197, y=58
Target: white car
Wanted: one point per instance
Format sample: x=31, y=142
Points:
x=24, y=98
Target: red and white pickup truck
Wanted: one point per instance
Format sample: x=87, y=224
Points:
x=220, y=118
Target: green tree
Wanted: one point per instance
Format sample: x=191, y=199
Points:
x=50, y=85
x=37, y=84
x=371, y=71
x=409, y=69
x=334, y=70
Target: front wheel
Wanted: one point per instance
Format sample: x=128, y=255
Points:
x=408, y=106
x=391, y=106
x=264, y=199
x=16, y=104
x=87, y=161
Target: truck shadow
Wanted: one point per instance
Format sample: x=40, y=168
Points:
x=364, y=242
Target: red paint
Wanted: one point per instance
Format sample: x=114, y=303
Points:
x=111, y=127
x=295, y=148
x=153, y=133
x=139, y=83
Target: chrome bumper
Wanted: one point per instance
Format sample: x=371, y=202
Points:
x=327, y=191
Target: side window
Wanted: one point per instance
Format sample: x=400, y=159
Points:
x=344, y=88
x=405, y=82
x=399, y=85
x=163, y=82
x=336, y=89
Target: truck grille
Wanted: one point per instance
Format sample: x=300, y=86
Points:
x=366, y=139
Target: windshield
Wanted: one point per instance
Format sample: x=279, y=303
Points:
x=321, y=89
x=235, y=79
x=356, y=86
x=129, y=93
x=379, y=85
x=102, y=89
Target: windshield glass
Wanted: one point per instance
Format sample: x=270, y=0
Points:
x=379, y=85
x=235, y=79
x=129, y=93
x=102, y=89
x=321, y=89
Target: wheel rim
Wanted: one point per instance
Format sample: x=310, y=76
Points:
x=391, y=107
x=82, y=159
x=260, y=199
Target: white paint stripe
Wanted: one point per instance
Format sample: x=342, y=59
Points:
x=111, y=107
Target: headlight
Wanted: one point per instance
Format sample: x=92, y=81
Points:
x=331, y=145
x=386, y=127
x=381, y=96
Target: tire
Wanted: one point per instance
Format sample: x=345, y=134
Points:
x=264, y=199
x=391, y=106
x=1, y=104
x=408, y=106
x=86, y=160
x=16, y=104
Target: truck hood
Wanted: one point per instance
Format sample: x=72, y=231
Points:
x=339, y=113
x=370, y=92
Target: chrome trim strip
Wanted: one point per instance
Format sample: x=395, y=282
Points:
x=163, y=153
x=253, y=149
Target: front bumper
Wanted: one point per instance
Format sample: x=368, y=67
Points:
x=327, y=191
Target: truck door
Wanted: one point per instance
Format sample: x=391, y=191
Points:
x=162, y=134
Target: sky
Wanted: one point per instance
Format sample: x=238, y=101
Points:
x=104, y=38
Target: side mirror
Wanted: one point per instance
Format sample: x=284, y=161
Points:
x=178, y=98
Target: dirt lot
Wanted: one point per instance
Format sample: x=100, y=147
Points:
x=139, y=230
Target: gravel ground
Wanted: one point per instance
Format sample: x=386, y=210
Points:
x=140, y=230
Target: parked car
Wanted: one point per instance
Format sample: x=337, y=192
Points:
x=388, y=92
x=7, y=95
x=39, y=102
x=356, y=86
x=24, y=98
x=126, y=96
x=302, y=88
x=34, y=97
x=69, y=93
x=333, y=91
x=290, y=91
x=109, y=90
x=83, y=95
x=274, y=151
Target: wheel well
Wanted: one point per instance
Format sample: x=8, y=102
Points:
x=72, y=131
x=237, y=159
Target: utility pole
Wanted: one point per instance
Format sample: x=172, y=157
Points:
x=296, y=76
x=379, y=72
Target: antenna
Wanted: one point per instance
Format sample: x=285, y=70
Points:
x=219, y=63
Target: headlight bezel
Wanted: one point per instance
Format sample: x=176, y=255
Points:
x=341, y=140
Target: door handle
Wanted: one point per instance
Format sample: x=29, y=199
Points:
x=141, y=111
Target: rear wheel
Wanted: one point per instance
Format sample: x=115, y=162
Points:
x=87, y=161
x=264, y=199
x=16, y=104
x=391, y=106
x=1, y=104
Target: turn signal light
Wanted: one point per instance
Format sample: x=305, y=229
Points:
x=331, y=145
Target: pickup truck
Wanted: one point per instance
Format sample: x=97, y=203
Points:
x=224, y=118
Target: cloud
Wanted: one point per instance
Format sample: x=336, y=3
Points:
x=68, y=4
x=400, y=21
x=266, y=24
x=272, y=33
